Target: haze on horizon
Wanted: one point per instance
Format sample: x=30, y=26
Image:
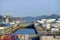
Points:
x=21, y=8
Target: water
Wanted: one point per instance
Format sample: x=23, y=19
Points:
x=25, y=31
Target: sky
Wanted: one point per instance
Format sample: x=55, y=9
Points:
x=20, y=8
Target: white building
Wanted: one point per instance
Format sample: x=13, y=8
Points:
x=58, y=21
x=40, y=21
x=18, y=21
x=50, y=20
x=6, y=19
x=12, y=23
x=44, y=20
x=54, y=29
x=48, y=26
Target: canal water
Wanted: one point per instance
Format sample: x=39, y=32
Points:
x=28, y=30
x=25, y=31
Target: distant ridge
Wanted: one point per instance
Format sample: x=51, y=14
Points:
x=47, y=17
x=33, y=19
x=29, y=19
x=1, y=16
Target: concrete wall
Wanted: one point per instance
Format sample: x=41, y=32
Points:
x=50, y=38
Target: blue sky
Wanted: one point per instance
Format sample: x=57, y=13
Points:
x=29, y=7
